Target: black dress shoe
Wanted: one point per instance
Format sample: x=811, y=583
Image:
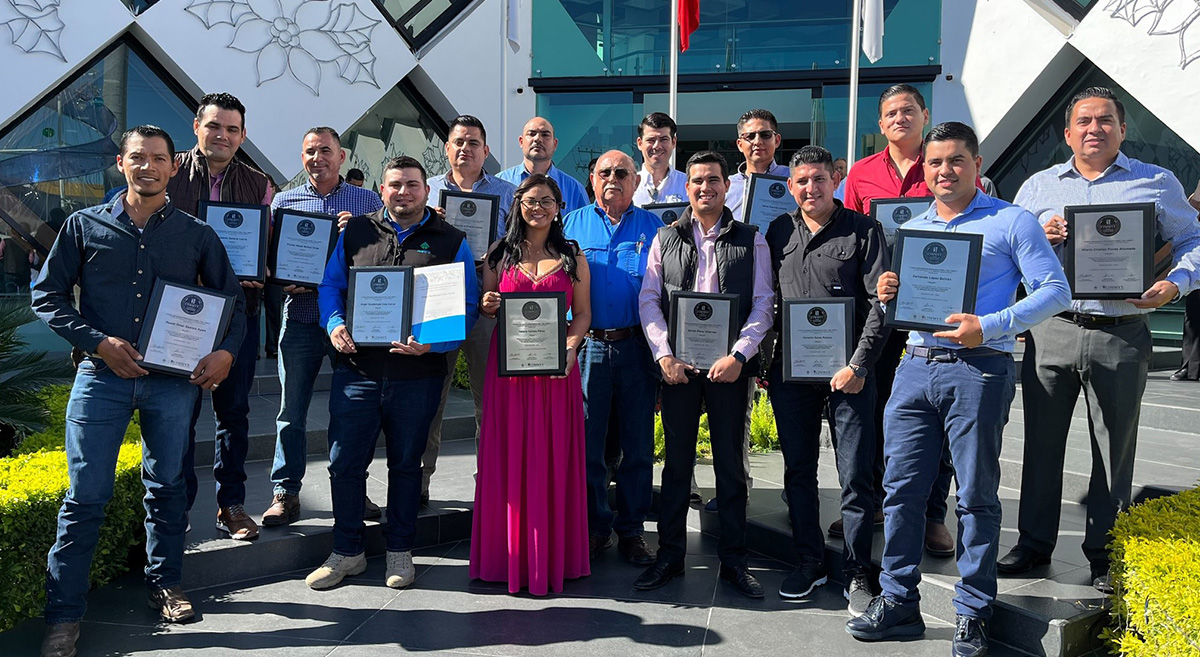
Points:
x=742, y=581
x=658, y=575
x=633, y=549
x=1021, y=560
x=970, y=637
x=598, y=544
x=886, y=619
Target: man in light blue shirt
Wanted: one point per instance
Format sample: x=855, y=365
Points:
x=537, y=148
x=1102, y=347
x=758, y=138
x=958, y=384
x=660, y=182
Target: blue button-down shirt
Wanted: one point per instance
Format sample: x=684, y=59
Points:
x=305, y=198
x=1015, y=249
x=574, y=196
x=1126, y=180
x=488, y=184
x=616, y=258
x=738, y=183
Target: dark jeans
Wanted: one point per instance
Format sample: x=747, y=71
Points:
x=272, y=316
x=681, y=408
x=302, y=349
x=966, y=402
x=231, y=405
x=797, y=409
x=618, y=384
x=1191, y=335
x=359, y=407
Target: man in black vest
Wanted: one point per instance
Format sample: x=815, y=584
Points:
x=706, y=251
x=394, y=389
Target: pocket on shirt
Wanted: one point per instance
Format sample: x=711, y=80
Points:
x=632, y=261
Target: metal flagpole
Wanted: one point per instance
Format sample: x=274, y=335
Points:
x=855, y=48
x=673, y=90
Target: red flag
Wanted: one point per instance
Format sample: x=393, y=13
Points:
x=689, y=21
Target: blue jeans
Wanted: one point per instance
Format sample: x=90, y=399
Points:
x=231, y=405
x=98, y=413
x=358, y=408
x=965, y=401
x=302, y=348
x=617, y=379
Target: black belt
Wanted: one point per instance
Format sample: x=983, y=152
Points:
x=1097, y=321
x=943, y=355
x=612, y=335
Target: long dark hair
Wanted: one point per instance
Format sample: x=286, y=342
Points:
x=507, y=253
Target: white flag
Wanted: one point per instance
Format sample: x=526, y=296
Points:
x=872, y=34
x=513, y=23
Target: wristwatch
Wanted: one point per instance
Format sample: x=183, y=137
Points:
x=859, y=370
x=737, y=355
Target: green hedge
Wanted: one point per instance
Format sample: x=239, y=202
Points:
x=763, y=436
x=1155, y=571
x=32, y=484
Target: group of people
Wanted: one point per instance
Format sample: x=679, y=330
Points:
x=909, y=412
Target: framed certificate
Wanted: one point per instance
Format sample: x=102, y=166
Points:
x=893, y=213
x=379, y=305
x=183, y=324
x=531, y=334
x=243, y=230
x=766, y=198
x=1110, y=250
x=300, y=247
x=818, y=338
x=702, y=327
x=939, y=276
x=474, y=214
x=667, y=212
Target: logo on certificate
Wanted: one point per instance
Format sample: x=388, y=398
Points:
x=817, y=316
x=934, y=253
x=1108, y=225
x=233, y=219
x=670, y=216
x=901, y=214
x=468, y=208
x=379, y=284
x=777, y=190
x=531, y=310
x=191, y=304
x=703, y=311
x=306, y=228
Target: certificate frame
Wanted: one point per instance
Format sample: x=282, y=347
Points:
x=970, y=288
x=509, y=298
x=492, y=224
x=674, y=326
x=662, y=210
x=848, y=313
x=406, y=309
x=1072, y=214
x=263, y=212
x=757, y=180
x=276, y=237
x=888, y=221
x=150, y=323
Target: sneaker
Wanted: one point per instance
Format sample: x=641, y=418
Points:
x=858, y=594
x=885, y=619
x=335, y=569
x=233, y=521
x=172, y=605
x=400, y=569
x=283, y=510
x=970, y=637
x=803, y=580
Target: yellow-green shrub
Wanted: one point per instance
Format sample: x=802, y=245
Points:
x=763, y=436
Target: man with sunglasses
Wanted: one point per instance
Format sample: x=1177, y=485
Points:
x=537, y=147
x=615, y=362
x=758, y=138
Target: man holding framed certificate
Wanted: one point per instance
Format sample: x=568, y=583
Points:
x=957, y=385
x=704, y=273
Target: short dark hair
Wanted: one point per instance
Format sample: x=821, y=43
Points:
x=707, y=157
x=901, y=90
x=404, y=162
x=223, y=101
x=812, y=155
x=355, y=174
x=146, y=131
x=761, y=115
x=324, y=130
x=592, y=165
x=657, y=120
x=468, y=121
x=1096, y=92
x=953, y=130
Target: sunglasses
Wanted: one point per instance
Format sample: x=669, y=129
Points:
x=765, y=135
x=619, y=174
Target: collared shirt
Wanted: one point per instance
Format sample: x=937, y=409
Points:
x=757, y=324
x=573, y=194
x=875, y=176
x=1126, y=180
x=738, y=183
x=616, y=256
x=840, y=192
x=671, y=189
x=305, y=198
x=214, y=191
x=488, y=184
x=1015, y=250
x=116, y=266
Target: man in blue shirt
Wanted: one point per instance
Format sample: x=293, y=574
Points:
x=957, y=385
x=395, y=389
x=303, y=344
x=615, y=363
x=1102, y=347
x=537, y=147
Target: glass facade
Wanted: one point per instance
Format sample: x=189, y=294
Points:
x=418, y=21
x=398, y=124
x=138, y=6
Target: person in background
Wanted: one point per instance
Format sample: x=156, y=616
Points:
x=355, y=177
x=591, y=194
x=839, y=168
x=538, y=144
x=660, y=182
x=1189, y=369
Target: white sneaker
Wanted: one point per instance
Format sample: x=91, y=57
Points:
x=335, y=569
x=400, y=569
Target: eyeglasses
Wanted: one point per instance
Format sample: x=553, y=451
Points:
x=620, y=174
x=545, y=204
x=765, y=135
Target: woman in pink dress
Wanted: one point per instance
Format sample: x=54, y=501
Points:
x=530, y=521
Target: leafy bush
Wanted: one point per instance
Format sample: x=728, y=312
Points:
x=462, y=376
x=763, y=436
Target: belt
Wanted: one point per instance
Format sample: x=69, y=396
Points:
x=1097, y=321
x=612, y=335
x=942, y=355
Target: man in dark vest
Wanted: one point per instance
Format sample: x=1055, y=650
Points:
x=394, y=389
x=212, y=171
x=706, y=251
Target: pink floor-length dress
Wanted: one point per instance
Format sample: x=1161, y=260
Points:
x=530, y=521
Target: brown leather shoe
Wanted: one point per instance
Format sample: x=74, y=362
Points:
x=938, y=541
x=283, y=510
x=60, y=640
x=836, y=528
x=634, y=550
x=598, y=544
x=371, y=510
x=233, y=521
x=172, y=605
